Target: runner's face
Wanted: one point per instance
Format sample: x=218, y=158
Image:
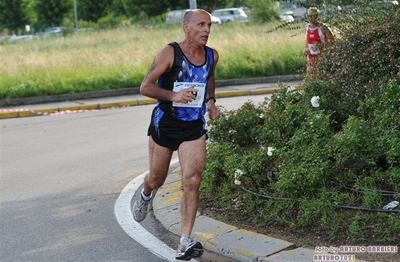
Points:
x=200, y=27
x=312, y=17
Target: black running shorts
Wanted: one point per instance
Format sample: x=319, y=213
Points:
x=170, y=132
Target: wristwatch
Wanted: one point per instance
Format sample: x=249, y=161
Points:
x=209, y=98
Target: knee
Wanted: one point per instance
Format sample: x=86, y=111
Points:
x=154, y=182
x=191, y=182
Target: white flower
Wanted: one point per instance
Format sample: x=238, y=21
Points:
x=270, y=150
x=262, y=115
x=238, y=173
x=315, y=101
x=290, y=89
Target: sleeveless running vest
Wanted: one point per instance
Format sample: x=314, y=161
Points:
x=184, y=71
x=314, y=35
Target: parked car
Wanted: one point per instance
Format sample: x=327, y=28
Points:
x=20, y=38
x=286, y=17
x=176, y=16
x=215, y=20
x=53, y=31
x=230, y=14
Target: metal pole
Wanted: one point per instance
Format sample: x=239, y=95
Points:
x=192, y=4
x=76, y=15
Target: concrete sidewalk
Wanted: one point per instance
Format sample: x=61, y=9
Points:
x=51, y=105
x=222, y=238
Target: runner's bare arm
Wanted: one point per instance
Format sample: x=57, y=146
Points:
x=328, y=33
x=213, y=111
x=161, y=64
x=306, y=51
x=328, y=37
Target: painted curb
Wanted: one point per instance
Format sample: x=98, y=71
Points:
x=15, y=113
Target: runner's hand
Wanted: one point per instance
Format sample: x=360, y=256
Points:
x=186, y=95
x=213, y=111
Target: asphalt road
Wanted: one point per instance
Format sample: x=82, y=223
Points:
x=60, y=177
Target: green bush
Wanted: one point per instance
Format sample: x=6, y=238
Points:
x=309, y=156
x=366, y=51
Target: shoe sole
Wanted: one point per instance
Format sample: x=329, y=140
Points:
x=196, y=250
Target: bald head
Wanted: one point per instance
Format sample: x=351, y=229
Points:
x=187, y=18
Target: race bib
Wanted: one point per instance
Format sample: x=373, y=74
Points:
x=313, y=49
x=198, y=102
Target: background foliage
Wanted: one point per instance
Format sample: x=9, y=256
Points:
x=41, y=14
x=51, y=12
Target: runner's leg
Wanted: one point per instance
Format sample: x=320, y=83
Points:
x=192, y=155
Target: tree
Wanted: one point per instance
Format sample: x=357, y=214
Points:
x=52, y=12
x=94, y=10
x=28, y=11
x=117, y=7
x=158, y=7
x=12, y=15
x=148, y=7
x=264, y=10
x=211, y=5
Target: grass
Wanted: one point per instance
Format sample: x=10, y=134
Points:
x=120, y=58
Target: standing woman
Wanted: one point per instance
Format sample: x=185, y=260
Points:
x=318, y=35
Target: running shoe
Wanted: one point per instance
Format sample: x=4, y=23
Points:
x=139, y=209
x=188, y=249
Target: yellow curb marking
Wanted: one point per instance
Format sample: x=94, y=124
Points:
x=203, y=236
x=145, y=101
x=173, y=186
x=27, y=113
x=172, y=198
x=242, y=252
x=81, y=107
x=232, y=93
x=129, y=103
x=108, y=105
x=263, y=91
x=8, y=115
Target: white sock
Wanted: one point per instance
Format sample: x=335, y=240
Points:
x=184, y=237
x=144, y=197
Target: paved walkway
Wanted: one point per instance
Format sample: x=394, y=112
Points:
x=73, y=103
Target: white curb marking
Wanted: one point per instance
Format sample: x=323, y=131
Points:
x=137, y=232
